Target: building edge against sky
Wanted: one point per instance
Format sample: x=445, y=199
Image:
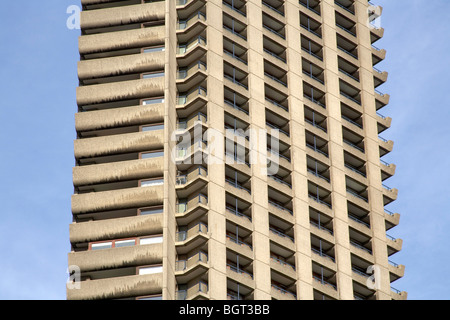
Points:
x=157, y=218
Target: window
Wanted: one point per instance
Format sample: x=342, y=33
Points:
x=153, y=75
x=155, y=49
x=103, y=245
x=153, y=101
x=151, y=211
x=150, y=183
x=159, y=297
x=150, y=270
x=153, y=127
x=151, y=240
x=124, y=243
x=149, y=155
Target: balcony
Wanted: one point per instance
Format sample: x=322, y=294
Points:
x=192, y=208
x=197, y=291
x=191, y=26
x=347, y=5
x=191, y=101
x=238, y=6
x=188, y=239
x=121, y=40
x=191, y=76
x=312, y=5
x=118, y=287
x=193, y=267
x=276, y=6
x=108, y=18
x=191, y=51
x=279, y=293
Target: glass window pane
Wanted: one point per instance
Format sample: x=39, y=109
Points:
x=125, y=243
x=152, y=128
x=153, y=101
x=150, y=270
x=103, y=245
x=149, y=183
x=151, y=211
x=153, y=75
x=151, y=298
x=154, y=49
x=150, y=155
x=151, y=240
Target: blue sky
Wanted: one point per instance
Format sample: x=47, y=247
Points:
x=37, y=106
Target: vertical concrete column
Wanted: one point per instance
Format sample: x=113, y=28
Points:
x=261, y=264
x=372, y=142
x=216, y=167
x=170, y=120
x=336, y=153
x=298, y=150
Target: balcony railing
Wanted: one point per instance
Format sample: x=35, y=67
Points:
x=280, y=181
x=274, y=31
x=184, y=235
x=348, y=74
x=234, y=80
x=354, y=218
x=274, y=9
x=356, y=170
x=347, y=52
x=318, y=226
x=354, y=193
x=283, y=263
x=311, y=30
x=324, y=282
x=277, y=128
x=275, y=79
x=274, y=55
x=316, y=125
x=281, y=234
x=239, y=270
x=313, y=77
x=345, y=29
x=320, y=253
x=315, y=101
x=316, y=149
x=231, y=54
x=306, y=5
x=235, y=32
x=182, y=49
x=353, y=145
x=283, y=291
x=318, y=175
x=317, y=199
x=312, y=53
x=184, y=24
x=232, y=7
x=183, y=74
x=235, y=106
x=344, y=7
x=281, y=207
x=200, y=287
x=182, y=265
x=277, y=104
x=237, y=185
x=239, y=242
x=237, y=213
x=191, y=203
x=357, y=245
x=351, y=98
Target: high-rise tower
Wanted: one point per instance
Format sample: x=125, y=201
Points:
x=186, y=107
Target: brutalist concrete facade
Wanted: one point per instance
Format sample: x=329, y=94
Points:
x=151, y=221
